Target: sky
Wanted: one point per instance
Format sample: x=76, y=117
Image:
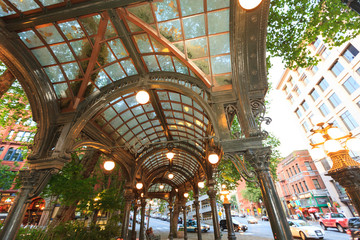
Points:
x=284, y=123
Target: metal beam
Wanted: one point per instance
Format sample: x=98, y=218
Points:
x=66, y=12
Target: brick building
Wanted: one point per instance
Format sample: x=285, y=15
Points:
x=245, y=206
x=300, y=186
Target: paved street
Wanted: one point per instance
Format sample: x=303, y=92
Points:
x=262, y=230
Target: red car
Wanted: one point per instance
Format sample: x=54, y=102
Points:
x=334, y=220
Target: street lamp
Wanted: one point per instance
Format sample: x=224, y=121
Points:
x=213, y=158
x=109, y=165
x=336, y=145
x=142, y=97
x=249, y=4
x=225, y=197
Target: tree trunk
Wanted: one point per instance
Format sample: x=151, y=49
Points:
x=95, y=216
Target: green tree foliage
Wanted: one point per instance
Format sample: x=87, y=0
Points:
x=7, y=176
x=293, y=25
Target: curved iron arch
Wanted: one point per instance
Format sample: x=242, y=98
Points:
x=177, y=169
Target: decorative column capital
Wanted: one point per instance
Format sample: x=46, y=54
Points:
x=129, y=194
x=212, y=193
x=348, y=178
x=259, y=158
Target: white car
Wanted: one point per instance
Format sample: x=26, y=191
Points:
x=300, y=228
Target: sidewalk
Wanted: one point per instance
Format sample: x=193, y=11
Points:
x=210, y=236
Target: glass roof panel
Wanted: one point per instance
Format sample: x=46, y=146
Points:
x=197, y=48
x=223, y=80
x=91, y=24
x=156, y=188
x=219, y=44
x=151, y=63
x=166, y=63
x=82, y=48
x=102, y=79
x=118, y=48
x=105, y=55
x=30, y=39
x=5, y=10
x=143, y=12
x=116, y=122
x=218, y=21
x=158, y=47
x=129, y=67
x=166, y=10
x=50, y=34
x=171, y=30
x=72, y=30
x=62, y=52
x=203, y=64
x=115, y=72
x=143, y=43
x=110, y=31
x=194, y=26
x=72, y=71
x=180, y=67
x=189, y=7
x=221, y=64
x=54, y=73
x=50, y=2
x=217, y=4
x=61, y=90
x=43, y=56
x=24, y=6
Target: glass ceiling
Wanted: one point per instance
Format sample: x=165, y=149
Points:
x=156, y=187
x=82, y=55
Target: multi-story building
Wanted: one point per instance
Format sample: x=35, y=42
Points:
x=247, y=207
x=331, y=90
x=300, y=186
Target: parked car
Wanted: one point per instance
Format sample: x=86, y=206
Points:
x=191, y=226
x=304, y=230
x=237, y=225
x=354, y=228
x=252, y=220
x=264, y=218
x=334, y=220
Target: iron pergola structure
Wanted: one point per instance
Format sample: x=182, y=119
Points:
x=81, y=64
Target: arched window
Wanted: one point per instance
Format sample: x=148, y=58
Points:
x=1, y=150
x=9, y=154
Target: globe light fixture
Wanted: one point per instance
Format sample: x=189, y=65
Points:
x=186, y=195
x=201, y=184
x=353, y=144
x=335, y=132
x=109, y=165
x=170, y=155
x=317, y=138
x=142, y=97
x=249, y=4
x=176, y=190
x=223, y=186
x=171, y=176
x=332, y=146
x=161, y=186
x=213, y=158
x=139, y=185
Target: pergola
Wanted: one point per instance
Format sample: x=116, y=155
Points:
x=82, y=64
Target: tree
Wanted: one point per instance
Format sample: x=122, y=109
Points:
x=293, y=25
x=7, y=176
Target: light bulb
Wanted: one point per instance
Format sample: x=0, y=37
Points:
x=317, y=153
x=186, y=195
x=161, y=186
x=171, y=176
x=142, y=97
x=332, y=146
x=170, y=155
x=335, y=132
x=353, y=144
x=213, y=158
x=249, y=4
x=201, y=184
x=317, y=138
x=176, y=190
x=109, y=165
x=139, y=185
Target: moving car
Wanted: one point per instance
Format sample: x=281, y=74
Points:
x=304, y=230
x=264, y=218
x=252, y=220
x=191, y=226
x=237, y=225
x=354, y=228
x=334, y=220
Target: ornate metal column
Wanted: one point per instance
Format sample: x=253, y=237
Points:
x=214, y=213
x=33, y=182
x=197, y=210
x=229, y=223
x=142, y=224
x=171, y=235
x=184, y=222
x=129, y=196
x=133, y=230
x=259, y=160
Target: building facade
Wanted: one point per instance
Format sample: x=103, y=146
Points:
x=330, y=90
x=300, y=186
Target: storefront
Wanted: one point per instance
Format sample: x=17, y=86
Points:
x=34, y=211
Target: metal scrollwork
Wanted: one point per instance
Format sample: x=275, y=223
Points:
x=258, y=109
x=240, y=165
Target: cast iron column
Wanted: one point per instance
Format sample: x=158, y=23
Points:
x=214, y=213
x=229, y=223
x=171, y=235
x=184, y=222
x=197, y=210
x=129, y=196
x=142, y=224
x=133, y=231
x=260, y=160
x=353, y=4
x=33, y=181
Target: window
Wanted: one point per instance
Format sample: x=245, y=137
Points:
x=308, y=166
x=292, y=174
x=297, y=187
x=350, y=53
x=297, y=165
x=1, y=150
x=351, y=85
x=297, y=90
x=300, y=70
x=336, y=124
x=298, y=113
x=306, y=80
x=13, y=155
x=326, y=53
x=301, y=187
x=294, y=170
x=307, y=189
x=325, y=164
x=19, y=136
x=288, y=173
x=291, y=99
x=291, y=81
x=314, y=69
x=316, y=184
x=334, y=100
x=314, y=94
x=285, y=89
x=24, y=136
x=305, y=106
x=10, y=135
x=306, y=126
x=323, y=84
x=358, y=71
x=294, y=188
x=317, y=43
x=349, y=120
x=324, y=110
x=337, y=68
